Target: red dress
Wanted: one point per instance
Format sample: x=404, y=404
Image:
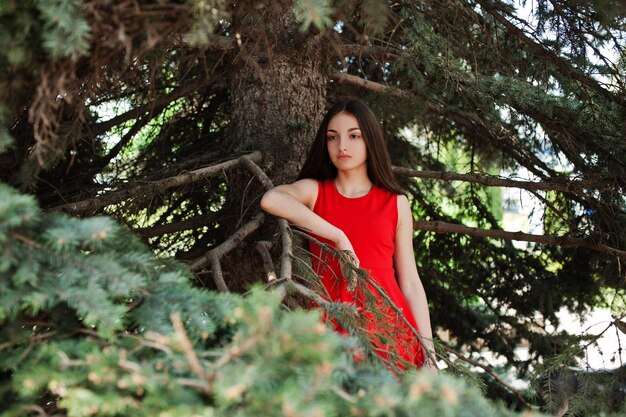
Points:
x=370, y=224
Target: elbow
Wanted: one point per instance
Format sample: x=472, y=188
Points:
x=267, y=201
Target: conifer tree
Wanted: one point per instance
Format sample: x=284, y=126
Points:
x=173, y=116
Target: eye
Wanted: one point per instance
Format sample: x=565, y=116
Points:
x=331, y=137
x=355, y=136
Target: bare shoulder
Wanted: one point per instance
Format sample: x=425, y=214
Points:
x=305, y=190
x=404, y=210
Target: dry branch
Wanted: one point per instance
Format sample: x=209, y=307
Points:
x=373, y=86
x=442, y=227
x=263, y=247
x=128, y=136
x=572, y=185
x=151, y=188
x=266, y=182
x=229, y=244
x=187, y=347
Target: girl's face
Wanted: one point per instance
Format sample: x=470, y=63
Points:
x=345, y=143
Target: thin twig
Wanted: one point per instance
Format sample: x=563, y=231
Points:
x=490, y=371
x=127, y=365
x=187, y=348
x=263, y=247
x=232, y=353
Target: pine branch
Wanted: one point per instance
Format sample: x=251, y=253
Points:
x=569, y=186
x=490, y=371
x=187, y=347
x=155, y=106
x=151, y=188
x=588, y=242
x=375, y=87
x=372, y=51
x=361, y=273
x=506, y=141
x=550, y=55
x=525, y=158
x=308, y=293
x=137, y=126
x=192, y=223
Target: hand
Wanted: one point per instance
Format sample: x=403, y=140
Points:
x=429, y=363
x=430, y=366
x=346, y=250
x=348, y=261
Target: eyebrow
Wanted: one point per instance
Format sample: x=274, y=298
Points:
x=349, y=130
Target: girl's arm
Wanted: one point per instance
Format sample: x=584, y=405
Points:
x=294, y=202
x=409, y=280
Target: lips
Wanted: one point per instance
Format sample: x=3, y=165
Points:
x=343, y=156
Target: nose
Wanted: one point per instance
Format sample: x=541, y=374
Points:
x=343, y=143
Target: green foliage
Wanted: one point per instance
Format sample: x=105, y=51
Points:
x=207, y=16
x=313, y=12
x=66, y=32
x=98, y=326
x=6, y=141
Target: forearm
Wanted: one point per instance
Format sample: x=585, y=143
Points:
x=416, y=298
x=283, y=204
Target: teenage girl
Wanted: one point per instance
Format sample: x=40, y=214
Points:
x=347, y=196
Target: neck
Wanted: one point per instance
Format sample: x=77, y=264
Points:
x=353, y=184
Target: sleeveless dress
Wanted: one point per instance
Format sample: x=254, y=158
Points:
x=370, y=224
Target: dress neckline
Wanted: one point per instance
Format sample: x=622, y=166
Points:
x=334, y=186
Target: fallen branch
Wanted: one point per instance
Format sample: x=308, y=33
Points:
x=442, y=227
x=231, y=243
x=152, y=188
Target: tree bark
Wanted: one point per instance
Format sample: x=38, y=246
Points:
x=277, y=95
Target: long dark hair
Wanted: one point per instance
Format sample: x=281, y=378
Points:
x=318, y=164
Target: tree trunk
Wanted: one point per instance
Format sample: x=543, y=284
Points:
x=278, y=101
